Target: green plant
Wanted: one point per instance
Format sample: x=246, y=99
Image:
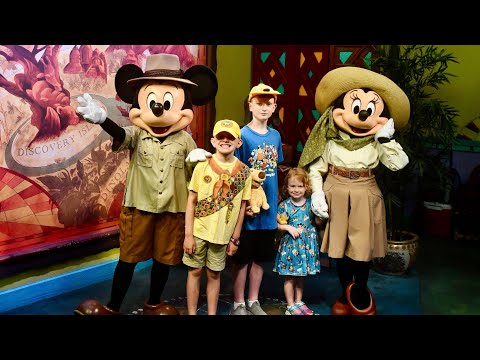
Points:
x=428, y=137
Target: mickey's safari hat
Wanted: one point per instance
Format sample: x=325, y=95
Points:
x=200, y=80
x=340, y=80
x=162, y=67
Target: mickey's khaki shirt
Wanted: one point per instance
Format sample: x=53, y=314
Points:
x=157, y=179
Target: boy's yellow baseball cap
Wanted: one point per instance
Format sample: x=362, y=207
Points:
x=262, y=89
x=227, y=125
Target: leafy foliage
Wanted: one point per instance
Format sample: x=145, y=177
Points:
x=428, y=138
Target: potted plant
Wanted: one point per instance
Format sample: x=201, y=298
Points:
x=427, y=139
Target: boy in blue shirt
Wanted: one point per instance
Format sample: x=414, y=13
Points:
x=261, y=149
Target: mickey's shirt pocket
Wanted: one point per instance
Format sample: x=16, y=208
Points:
x=177, y=159
x=144, y=155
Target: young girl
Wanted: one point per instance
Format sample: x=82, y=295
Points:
x=298, y=252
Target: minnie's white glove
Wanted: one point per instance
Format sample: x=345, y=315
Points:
x=319, y=205
x=197, y=155
x=386, y=132
x=90, y=110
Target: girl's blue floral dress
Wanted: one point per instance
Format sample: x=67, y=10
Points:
x=301, y=256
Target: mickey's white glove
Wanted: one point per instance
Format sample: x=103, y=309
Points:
x=319, y=205
x=197, y=155
x=386, y=132
x=90, y=110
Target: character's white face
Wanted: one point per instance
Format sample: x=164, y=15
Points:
x=160, y=110
x=361, y=113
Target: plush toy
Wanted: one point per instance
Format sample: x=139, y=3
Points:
x=360, y=111
x=282, y=219
x=152, y=220
x=258, y=198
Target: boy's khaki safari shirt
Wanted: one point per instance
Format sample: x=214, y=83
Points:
x=157, y=176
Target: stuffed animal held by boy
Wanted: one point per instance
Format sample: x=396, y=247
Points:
x=152, y=220
x=258, y=198
x=360, y=111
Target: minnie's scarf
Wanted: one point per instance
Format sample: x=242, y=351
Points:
x=323, y=131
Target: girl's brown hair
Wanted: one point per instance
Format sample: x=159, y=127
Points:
x=301, y=175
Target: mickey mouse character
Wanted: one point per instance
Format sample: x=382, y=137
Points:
x=152, y=219
x=352, y=136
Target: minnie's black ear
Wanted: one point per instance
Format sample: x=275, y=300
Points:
x=207, y=83
x=126, y=72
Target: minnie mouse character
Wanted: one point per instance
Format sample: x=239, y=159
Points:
x=152, y=219
x=352, y=136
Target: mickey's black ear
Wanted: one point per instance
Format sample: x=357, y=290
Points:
x=126, y=72
x=207, y=83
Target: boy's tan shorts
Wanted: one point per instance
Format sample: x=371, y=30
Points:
x=206, y=253
x=145, y=235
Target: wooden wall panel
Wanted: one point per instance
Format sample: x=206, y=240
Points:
x=295, y=71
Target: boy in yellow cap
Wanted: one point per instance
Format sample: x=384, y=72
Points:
x=261, y=149
x=218, y=192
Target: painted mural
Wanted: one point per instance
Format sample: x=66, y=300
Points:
x=57, y=172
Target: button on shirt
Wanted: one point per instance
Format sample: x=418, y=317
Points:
x=157, y=176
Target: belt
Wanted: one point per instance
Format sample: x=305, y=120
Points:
x=350, y=173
